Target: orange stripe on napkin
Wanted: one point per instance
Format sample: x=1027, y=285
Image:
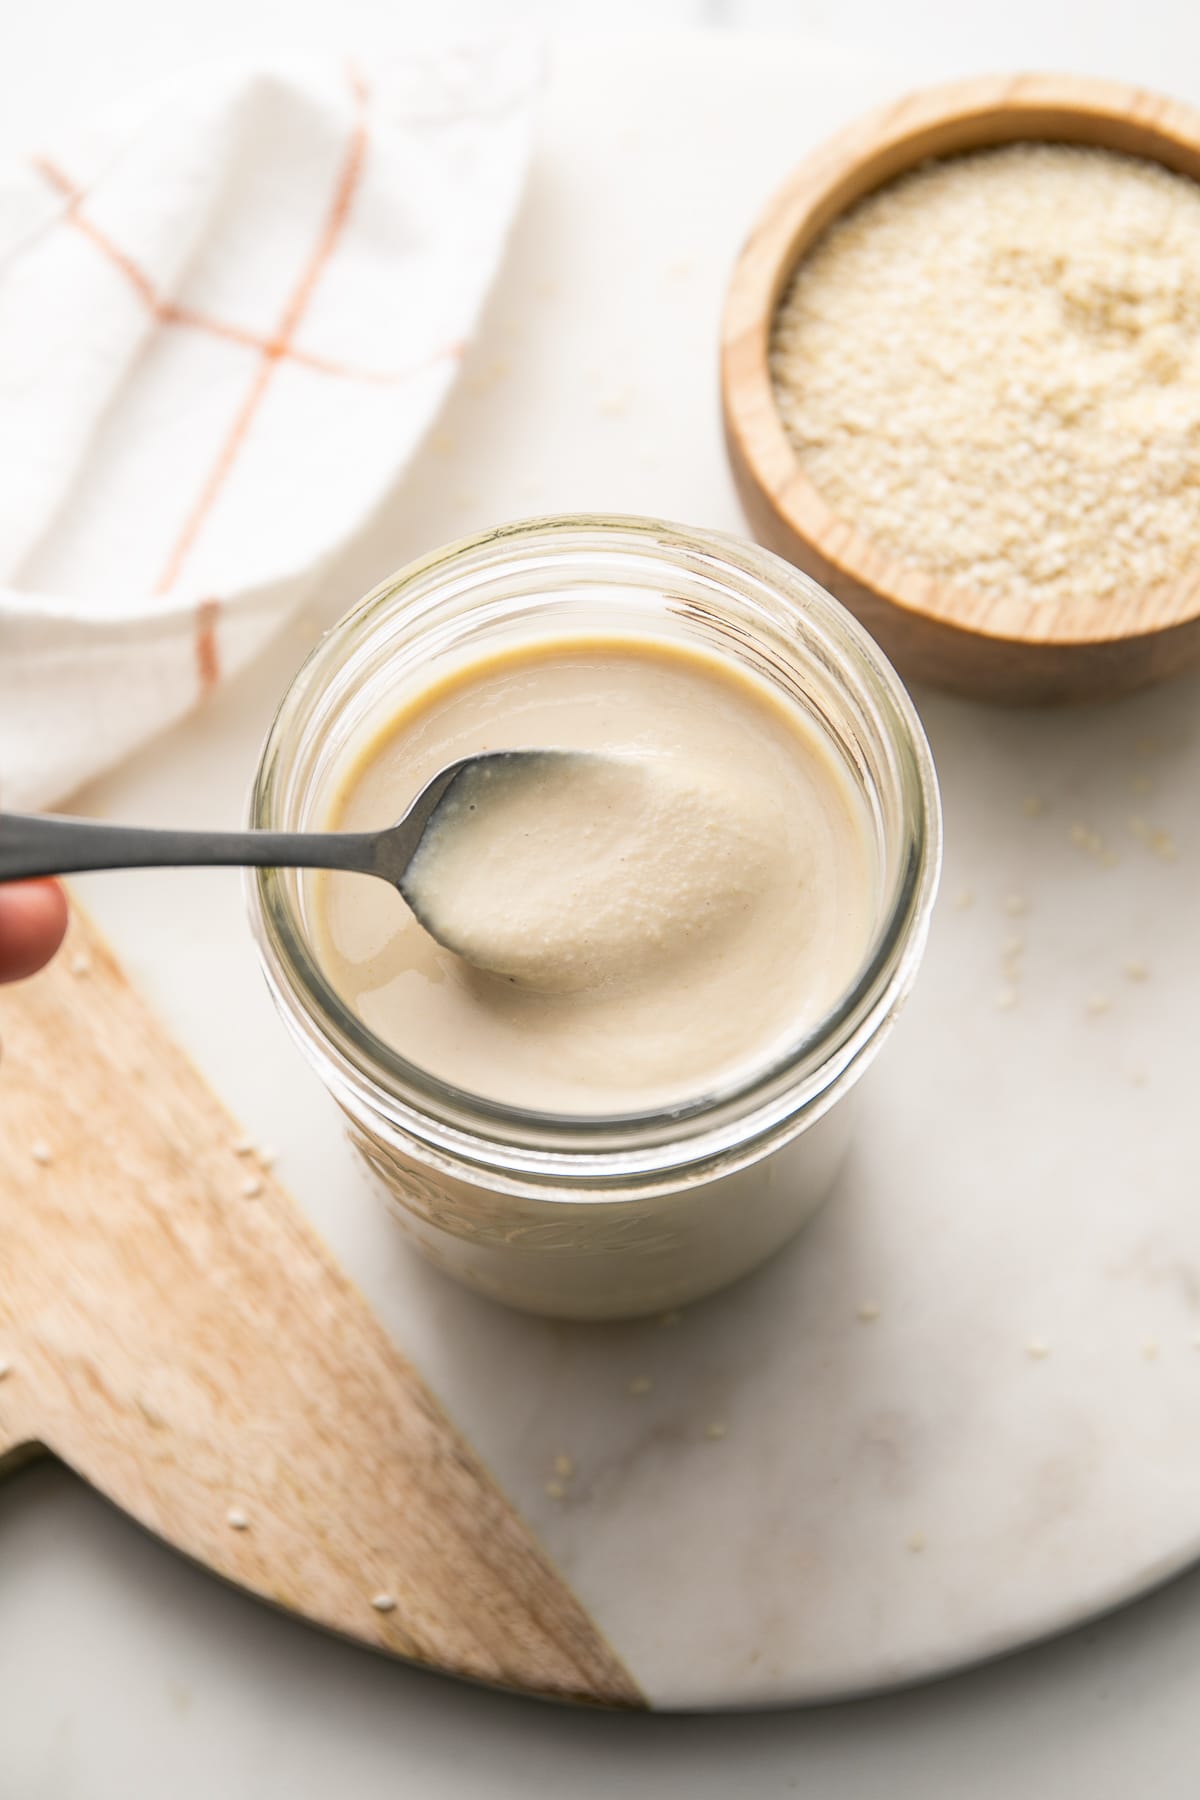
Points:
x=293, y=312
x=208, y=653
x=170, y=312
x=57, y=179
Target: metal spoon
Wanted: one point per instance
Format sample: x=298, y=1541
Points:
x=32, y=845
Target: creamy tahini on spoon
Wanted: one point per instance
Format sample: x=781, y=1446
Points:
x=577, y=870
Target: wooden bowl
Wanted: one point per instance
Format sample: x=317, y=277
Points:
x=1000, y=648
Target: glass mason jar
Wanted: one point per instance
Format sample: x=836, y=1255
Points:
x=602, y=1216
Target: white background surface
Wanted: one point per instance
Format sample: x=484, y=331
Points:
x=122, y=1672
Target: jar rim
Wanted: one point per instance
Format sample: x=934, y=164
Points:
x=775, y=1098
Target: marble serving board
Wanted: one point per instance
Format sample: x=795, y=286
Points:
x=956, y=1414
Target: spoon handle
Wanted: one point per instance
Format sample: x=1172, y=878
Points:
x=32, y=845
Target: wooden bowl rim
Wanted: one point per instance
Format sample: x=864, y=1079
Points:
x=892, y=138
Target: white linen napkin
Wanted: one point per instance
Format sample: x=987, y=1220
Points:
x=227, y=316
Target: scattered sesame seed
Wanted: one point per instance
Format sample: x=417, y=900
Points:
x=555, y=1490
x=916, y=1542
x=1033, y=806
x=1141, y=784
x=1136, y=970
x=1085, y=839
x=252, y=1187
x=41, y=1152
x=1013, y=947
x=236, y=1519
x=1006, y=999
x=81, y=963
x=1038, y=1349
x=1138, y=1077
x=1150, y=1350
x=1098, y=1004
x=1015, y=905
x=715, y=1429
x=564, y=1465
x=497, y=369
x=1139, y=826
x=1163, y=845
x=868, y=1312
x=641, y=1384
x=383, y=1603
x=964, y=900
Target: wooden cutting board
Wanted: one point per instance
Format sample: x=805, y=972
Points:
x=172, y=1329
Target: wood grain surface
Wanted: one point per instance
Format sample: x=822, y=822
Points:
x=172, y=1329
x=1004, y=649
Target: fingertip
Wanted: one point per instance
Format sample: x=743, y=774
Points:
x=33, y=923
